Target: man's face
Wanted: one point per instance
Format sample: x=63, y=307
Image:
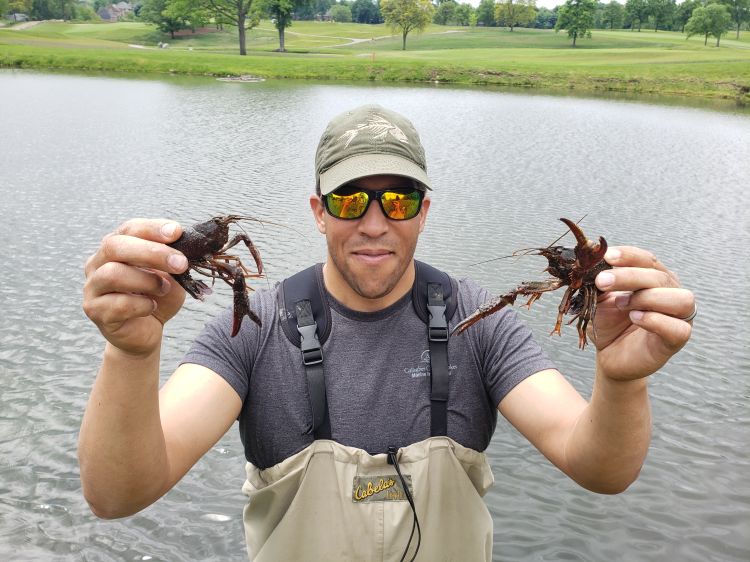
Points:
x=369, y=258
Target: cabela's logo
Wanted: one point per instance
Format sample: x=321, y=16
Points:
x=383, y=484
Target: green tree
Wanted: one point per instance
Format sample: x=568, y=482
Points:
x=445, y=13
x=365, y=11
x=577, y=18
x=545, y=18
x=154, y=11
x=684, y=11
x=464, y=13
x=192, y=13
x=637, y=10
x=407, y=15
x=341, y=13
x=662, y=11
x=512, y=13
x=19, y=7
x=281, y=13
x=614, y=15
x=714, y=19
x=240, y=13
x=739, y=10
x=486, y=13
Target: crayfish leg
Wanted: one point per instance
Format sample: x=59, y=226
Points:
x=490, y=307
x=562, y=309
x=241, y=303
x=250, y=247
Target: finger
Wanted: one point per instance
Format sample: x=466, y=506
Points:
x=673, y=332
x=137, y=252
x=630, y=256
x=633, y=279
x=678, y=303
x=156, y=230
x=115, y=277
x=112, y=310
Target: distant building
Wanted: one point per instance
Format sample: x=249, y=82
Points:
x=18, y=17
x=115, y=12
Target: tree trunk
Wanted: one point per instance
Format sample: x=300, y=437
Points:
x=172, y=33
x=511, y=28
x=706, y=41
x=575, y=36
x=403, y=44
x=241, y=30
x=738, y=30
x=718, y=38
x=282, y=49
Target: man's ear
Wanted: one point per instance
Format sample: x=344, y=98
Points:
x=316, y=204
x=423, y=213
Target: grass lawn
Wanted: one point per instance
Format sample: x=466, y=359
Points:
x=624, y=61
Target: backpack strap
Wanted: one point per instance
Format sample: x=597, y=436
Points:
x=306, y=321
x=434, y=302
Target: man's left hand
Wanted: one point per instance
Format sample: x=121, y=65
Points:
x=639, y=321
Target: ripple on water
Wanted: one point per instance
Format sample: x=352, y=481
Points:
x=505, y=167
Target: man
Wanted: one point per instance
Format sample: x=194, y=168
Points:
x=378, y=478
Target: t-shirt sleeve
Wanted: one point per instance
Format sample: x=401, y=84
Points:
x=229, y=357
x=505, y=347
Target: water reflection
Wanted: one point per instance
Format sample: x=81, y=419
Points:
x=79, y=154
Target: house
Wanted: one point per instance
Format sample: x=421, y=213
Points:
x=115, y=12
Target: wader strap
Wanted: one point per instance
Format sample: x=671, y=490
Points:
x=312, y=357
x=438, y=338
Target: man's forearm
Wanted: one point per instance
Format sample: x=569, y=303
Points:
x=608, y=445
x=121, y=447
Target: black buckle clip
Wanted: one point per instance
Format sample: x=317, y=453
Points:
x=438, y=327
x=309, y=344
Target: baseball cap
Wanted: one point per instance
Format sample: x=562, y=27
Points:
x=366, y=141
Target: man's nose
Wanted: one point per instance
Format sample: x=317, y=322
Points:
x=374, y=223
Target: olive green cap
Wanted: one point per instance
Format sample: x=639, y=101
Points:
x=367, y=141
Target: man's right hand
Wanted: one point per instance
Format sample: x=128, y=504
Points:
x=129, y=293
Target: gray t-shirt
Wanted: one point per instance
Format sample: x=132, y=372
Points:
x=376, y=371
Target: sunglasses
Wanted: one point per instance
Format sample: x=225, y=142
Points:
x=351, y=202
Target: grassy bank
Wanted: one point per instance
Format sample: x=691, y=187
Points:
x=621, y=61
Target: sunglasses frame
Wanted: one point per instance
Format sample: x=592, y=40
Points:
x=374, y=195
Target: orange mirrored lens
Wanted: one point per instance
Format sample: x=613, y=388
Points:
x=347, y=206
x=399, y=205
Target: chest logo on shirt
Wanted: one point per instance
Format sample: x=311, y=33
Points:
x=380, y=488
x=423, y=367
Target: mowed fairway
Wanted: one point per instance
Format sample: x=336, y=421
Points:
x=621, y=61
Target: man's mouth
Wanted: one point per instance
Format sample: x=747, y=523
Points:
x=372, y=256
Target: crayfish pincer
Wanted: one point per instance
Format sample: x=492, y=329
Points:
x=575, y=268
x=205, y=245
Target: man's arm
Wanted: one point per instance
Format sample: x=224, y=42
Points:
x=601, y=444
x=640, y=324
x=137, y=442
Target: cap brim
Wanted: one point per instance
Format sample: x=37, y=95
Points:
x=362, y=165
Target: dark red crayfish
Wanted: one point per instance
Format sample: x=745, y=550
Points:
x=575, y=268
x=205, y=245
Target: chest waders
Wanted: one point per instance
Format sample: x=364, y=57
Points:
x=334, y=502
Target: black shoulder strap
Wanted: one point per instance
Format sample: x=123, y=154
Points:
x=435, y=303
x=306, y=321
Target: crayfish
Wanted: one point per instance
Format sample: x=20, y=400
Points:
x=205, y=245
x=575, y=268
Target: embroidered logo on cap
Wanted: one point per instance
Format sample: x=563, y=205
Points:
x=379, y=127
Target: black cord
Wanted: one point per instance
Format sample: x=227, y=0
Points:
x=415, y=523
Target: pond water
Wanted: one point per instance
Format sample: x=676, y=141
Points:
x=79, y=154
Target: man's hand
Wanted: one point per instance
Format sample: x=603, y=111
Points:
x=128, y=293
x=638, y=324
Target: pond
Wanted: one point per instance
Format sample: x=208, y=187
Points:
x=80, y=154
